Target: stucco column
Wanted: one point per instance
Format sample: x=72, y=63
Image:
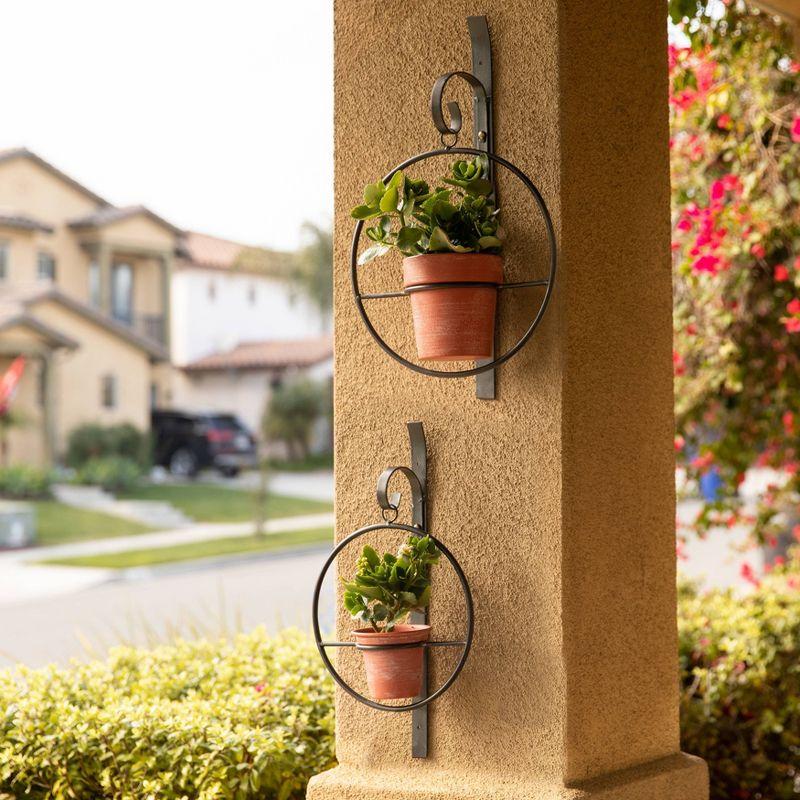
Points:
x=558, y=497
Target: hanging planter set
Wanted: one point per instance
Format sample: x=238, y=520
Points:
x=451, y=239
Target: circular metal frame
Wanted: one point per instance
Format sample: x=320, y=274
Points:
x=467, y=643
x=551, y=240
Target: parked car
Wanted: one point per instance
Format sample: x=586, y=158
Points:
x=186, y=442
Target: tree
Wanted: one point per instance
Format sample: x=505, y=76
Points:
x=292, y=410
x=735, y=156
x=311, y=271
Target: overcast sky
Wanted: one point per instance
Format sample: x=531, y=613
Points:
x=216, y=115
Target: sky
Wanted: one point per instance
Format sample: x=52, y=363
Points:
x=216, y=115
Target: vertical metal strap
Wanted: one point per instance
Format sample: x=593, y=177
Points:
x=419, y=465
x=482, y=139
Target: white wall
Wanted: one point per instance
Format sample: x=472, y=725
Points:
x=202, y=324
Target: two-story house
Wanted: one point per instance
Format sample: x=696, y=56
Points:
x=86, y=295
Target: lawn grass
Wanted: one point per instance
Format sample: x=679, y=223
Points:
x=205, y=503
x=310, y=464
x=57, y=523
x=195, y=550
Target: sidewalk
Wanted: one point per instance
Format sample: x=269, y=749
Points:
x=21, y=578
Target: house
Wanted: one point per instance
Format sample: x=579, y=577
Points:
x=238, y=329
x=109, y=304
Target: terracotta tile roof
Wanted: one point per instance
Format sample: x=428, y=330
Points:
x=109, y=214
x=211, y=252
x=22, y=221
x=267, y=355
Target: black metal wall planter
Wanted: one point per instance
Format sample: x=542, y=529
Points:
x=480, y=80
x=389, y=504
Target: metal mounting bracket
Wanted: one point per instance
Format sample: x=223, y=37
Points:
x=417, y=477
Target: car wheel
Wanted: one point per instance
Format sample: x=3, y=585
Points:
x=183, y=463
x=229, y=472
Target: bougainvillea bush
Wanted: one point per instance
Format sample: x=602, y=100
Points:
x=239, y=720
x=735, y=155
x=740, y=700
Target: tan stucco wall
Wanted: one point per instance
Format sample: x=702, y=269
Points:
x=79, y=373
x=557, y=497
x=26, y=186
x=138, y=231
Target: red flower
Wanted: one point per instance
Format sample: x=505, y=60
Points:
x=796, y=532
x=724, y=122
x=793, y=306
x=684, y=224
x=747, y=573
x=709, y=264
x=788, y=422
x=781, y=273
x=717, y=191
x=704, y=461
x=758, y=250
x=679, y=443
x=792, y=324
x=795, y=130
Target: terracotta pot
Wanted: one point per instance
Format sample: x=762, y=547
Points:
x=454, y=323
x=397, y=673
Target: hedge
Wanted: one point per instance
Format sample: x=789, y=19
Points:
x=24, y=482
x=740, y=704
x=251, y=718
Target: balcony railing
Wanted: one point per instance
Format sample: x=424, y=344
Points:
x=150, y=326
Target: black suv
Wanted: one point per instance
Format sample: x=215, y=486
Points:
x=185, y=443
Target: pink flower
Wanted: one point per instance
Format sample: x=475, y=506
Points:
x=679, y=443
x=707, y=263
x=724, y=121
x=684, y=224
x=793, y=306
x=792, y=324
x=259, y=687
x=747, y=573
x=796, y=532
x=788, y=422
x=795, y=129
x=717, y=190
x=758, y=250
x=781, y=273
x=704, y=461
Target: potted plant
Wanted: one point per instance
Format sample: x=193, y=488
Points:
x=382, y=593
x=447, y=235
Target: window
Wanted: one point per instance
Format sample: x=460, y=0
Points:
x=45, y=267
x=212, y=290
x=3, y=261
x=122, y=293
x=108, y=391
x=94, y=284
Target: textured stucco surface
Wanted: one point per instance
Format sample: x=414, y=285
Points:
x=557, y=498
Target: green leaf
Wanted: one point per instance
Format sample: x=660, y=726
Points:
x=488, y=242
x=372, y=252
x=372, y=557
x=389, y=201
x=440, y=242
x=373, y=193
x=365, y=212
x=408, y=237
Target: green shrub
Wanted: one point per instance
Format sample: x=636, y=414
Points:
x=112, y=473
x=251, y=718
x=22, y=482
x=740, y=704
x=91, y=441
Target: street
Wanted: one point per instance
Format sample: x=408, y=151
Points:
x=273, y=590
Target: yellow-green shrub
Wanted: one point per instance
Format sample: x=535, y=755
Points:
x=740, y=705
x=250, y=718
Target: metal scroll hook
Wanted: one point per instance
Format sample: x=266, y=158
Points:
x=391, y=502
x=456, y=120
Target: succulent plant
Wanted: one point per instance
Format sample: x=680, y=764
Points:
x=459, y=217
x=385, y=589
